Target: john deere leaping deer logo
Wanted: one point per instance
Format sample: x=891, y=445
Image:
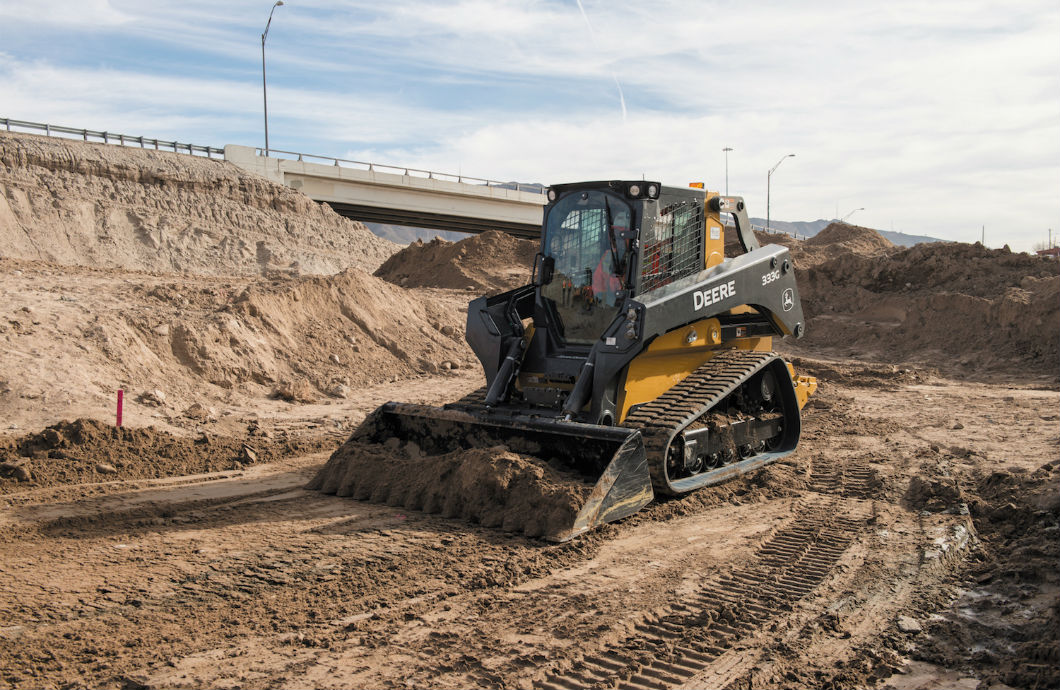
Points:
x=788, y=299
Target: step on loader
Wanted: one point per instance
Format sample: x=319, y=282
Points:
x=637, y=363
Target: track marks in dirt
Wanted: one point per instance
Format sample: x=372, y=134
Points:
x=856, y=478
x=261, y=571
x=685, y=642
x=691, y=641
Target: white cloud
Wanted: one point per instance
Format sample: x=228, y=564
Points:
x=83, y=14
x=937, y=118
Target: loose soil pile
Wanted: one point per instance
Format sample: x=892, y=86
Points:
x=71, y=336
x=852, y=237
x=349, y=329
x=492, y=486
x=837, y=239
x=98, y=205
x=86, y=451
x=963, y=308
x=492, y=261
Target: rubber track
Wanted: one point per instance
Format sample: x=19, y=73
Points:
x=691, y=637
x=665, y=417
x=662, y=419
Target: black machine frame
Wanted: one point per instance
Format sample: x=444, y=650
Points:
x=761, y=277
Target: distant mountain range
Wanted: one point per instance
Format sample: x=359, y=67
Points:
x=804, y=229
x=401, y=234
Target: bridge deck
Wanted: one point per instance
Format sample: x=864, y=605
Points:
x=384, y=197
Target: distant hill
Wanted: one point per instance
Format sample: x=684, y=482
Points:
x=904, y=240
x=802, y=229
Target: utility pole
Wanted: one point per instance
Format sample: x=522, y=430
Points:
x=769, y=178
x=726, y=150
x=264, y=93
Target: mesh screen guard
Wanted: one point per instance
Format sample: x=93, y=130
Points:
x=672, y=246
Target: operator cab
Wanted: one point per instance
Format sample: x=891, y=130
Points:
x=603, y=243
x=588, y=257
x=606, y=241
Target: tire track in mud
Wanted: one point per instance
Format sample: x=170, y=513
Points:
x=690, y=639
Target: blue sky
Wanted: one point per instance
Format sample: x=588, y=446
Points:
x=937, y=118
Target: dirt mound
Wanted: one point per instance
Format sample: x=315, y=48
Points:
x=98, y=205
x=491, y=486
x=487, y=262
x=765, y=238
x=853, y=237
x=936, y=494
x=349, y=328
x=212, y=341
x=85, y=451
x=835, y=240
x=960, y=307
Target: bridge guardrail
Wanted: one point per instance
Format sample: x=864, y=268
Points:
x=115, y=139
x=408, y=172
x=211, y=151
x=775, y=231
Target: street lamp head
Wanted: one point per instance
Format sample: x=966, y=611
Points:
x=278, y=3
x=790, y=155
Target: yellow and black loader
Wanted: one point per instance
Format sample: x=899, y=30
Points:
x=639, y=355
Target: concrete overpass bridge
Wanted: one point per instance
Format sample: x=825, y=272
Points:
x=401, y=196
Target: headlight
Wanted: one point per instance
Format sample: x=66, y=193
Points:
x=552, y=195
x=653, y=191
x=634, y=190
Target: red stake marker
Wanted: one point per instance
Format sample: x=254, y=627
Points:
x=121, y=395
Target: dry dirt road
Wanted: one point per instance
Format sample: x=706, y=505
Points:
x=910, y=542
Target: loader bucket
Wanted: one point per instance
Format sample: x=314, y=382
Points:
x=448, y=462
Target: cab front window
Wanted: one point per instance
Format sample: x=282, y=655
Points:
x=584, y=237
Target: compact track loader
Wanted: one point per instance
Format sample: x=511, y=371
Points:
x=639, y=356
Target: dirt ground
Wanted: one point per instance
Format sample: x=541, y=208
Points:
x=910, y=542
x=891, y=549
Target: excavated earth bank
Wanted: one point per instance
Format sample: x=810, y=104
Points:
x=88, y=204
x=965, y=309
x=71, y=336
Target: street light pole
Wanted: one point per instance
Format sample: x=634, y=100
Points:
x=850, y=214
x=264, y=91
x=726, y=150
x=769, y=179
